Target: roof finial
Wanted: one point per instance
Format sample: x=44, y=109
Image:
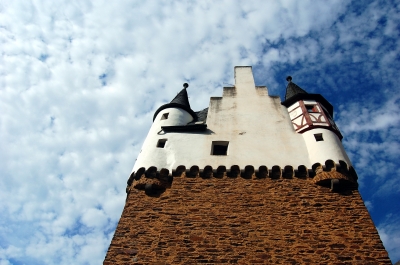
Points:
x=289, y=78
x=185, y=85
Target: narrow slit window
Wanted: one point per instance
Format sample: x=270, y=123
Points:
x=161, y=143
x=164, y=116
x=318, y=137
x=219, y=148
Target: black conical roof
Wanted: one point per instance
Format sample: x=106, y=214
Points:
x=182, y=98
x=180, y=101
x=292, y=89
x=295, y=93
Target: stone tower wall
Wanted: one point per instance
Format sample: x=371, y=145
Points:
x=265, y=199
x=238, y=220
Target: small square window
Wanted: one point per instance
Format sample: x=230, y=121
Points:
x=164, y=116
x=311, y=108
x=219, y=148
x=161, y=143
x=318, y=137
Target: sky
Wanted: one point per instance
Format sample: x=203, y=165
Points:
x=81, y=80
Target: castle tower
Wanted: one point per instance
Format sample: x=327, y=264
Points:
x=250, y=179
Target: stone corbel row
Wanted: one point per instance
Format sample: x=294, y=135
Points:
x=336, y=175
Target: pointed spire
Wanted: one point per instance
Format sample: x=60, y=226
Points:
x=182, y=97
x=293, y=89
x=180, y=101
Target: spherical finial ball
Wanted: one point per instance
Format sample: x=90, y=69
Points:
x=289, y=78
x=185, y=85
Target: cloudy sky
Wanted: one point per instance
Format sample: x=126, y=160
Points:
x=80, y=81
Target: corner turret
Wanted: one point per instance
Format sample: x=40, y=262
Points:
x=169, y=121
x=311, y=116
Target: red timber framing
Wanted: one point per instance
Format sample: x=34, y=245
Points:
x=312, y=115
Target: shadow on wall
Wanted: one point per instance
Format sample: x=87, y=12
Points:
x=205, y=132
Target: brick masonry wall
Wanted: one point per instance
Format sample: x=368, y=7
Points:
x=245, y=221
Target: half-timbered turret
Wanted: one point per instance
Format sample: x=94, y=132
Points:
x=311, y=116
x=308, y=111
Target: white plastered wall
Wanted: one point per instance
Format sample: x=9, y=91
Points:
x=330, y=148
x=150, y=154
x=257, y=126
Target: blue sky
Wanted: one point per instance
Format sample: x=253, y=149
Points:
x=80, y=81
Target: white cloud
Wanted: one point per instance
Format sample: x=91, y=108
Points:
x=369, y=205
x=390, y=235
x=94, y=218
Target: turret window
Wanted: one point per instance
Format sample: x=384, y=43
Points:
x=161, y=143
x=318, y=137
x=219, y=148
x=164, y=116
x=312, y=108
